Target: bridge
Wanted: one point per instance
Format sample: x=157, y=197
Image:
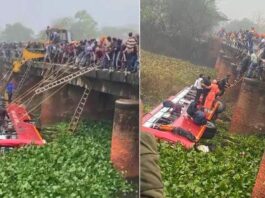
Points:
x=120, y=84
x=63, y=87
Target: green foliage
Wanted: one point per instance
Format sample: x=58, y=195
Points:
x=189, y=19
x=70, y=166
x=229, y=171
x=82, y=25
x=162, y=76
x=85, y=26
x=16, y=32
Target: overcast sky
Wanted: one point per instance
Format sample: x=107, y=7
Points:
x=238, y=9
x=37, y=14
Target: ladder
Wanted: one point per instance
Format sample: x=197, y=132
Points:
x=25, y=75
x=64, y=80
x=78, y=112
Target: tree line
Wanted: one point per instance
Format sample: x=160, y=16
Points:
x=82, y=26
x=178, y=27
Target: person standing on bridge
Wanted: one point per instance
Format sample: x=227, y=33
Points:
x=243, y=66
x=131, y=45
x=253, y=64
x=199, y=88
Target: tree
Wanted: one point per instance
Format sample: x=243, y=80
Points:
x=182, y=18
x=63, y=23
x=84, y=26
x=178, y=24
x=16, y=32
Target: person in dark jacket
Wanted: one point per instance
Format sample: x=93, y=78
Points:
x=3, y=115
x=223, y=84
x=192, y=109
x=205, y=91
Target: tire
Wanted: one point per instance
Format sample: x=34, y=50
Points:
x=221, y=107
x=210, y=130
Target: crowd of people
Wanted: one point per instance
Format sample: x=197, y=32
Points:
x=107, y=52
x=207, y=91
x=251, y=46
x=10, y=51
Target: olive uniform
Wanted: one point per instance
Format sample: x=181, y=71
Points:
x=151, y=181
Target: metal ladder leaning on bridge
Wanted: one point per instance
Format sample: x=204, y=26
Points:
x=78, y=112
x=64, y=79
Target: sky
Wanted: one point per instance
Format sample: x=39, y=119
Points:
x=38, y=14
x=238, y=9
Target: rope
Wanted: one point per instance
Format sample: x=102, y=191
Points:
x=36, y=106
x=236, y=83
x=32, y=88
x=46, y=79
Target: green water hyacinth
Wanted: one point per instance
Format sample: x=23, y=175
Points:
x=229, y=171
x=68, y=166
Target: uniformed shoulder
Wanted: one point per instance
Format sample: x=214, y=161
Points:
x=148, y=143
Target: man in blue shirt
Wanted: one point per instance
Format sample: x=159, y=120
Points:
x=10, y=89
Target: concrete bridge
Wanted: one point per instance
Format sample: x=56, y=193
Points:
x=106, y=87
x=120, y=84
x=248, y=106
x=248, y=97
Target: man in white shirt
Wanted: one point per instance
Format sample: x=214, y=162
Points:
x=198, y=85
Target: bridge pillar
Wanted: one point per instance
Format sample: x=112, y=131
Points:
x=52, y=107
x=62, y=105
x=259, y=188
x=224, y=67
x=125, y=138
x=249, y=112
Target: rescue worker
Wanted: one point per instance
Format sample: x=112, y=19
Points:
x=223, y=84
x=199, y=88
x=205, y=91
x=192, y=109
x=214, y=90
x=151, y=180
